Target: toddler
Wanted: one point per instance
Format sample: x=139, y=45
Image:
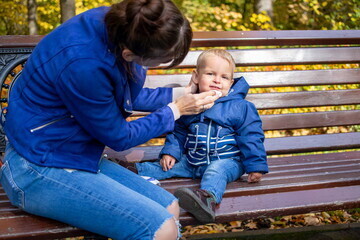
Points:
x=218, y=145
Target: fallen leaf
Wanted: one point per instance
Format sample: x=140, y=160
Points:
x=251, y=225
x=279, y=223
x=235, y=224
x=336, y=219
x=286, y=218
x=347, y=216
x=237, y=230
x=311, y=221
x=325, y=215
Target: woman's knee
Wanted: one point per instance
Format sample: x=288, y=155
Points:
x=168, y=231
x=174, y=209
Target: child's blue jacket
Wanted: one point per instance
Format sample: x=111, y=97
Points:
x=232, y=128
x=73, y=98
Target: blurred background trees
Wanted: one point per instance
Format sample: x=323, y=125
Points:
x=42, y=16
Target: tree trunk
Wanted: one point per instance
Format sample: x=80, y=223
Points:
x=67, y=9
x=33, y=27
x=264, y=5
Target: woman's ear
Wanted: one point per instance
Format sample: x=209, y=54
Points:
x=194, y=77
x=128, y=55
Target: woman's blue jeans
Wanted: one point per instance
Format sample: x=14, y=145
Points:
x=214, y=177
x=113, y=202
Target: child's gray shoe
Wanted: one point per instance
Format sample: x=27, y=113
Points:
x=199, y=203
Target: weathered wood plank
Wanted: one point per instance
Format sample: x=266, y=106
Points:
x=235, y=38
x=278, y=38
x=305, y=99
x=273, y=146
x=288, y=56
x=310, y=120
x=24, y=226
x=285, y=203
x=313, y=143
x=270, y=79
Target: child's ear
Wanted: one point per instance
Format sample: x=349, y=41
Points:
x=194, y=77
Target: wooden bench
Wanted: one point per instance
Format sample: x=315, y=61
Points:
x=306, y=86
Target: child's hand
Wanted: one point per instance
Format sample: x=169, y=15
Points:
x=167, y=162
x=254, y=177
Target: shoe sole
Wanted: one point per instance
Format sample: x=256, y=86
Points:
x=189, y=201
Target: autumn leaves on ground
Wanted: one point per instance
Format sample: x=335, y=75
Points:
x=293, y=221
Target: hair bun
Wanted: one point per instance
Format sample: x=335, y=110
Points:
x=145, y=15
x=148, y=9
x=149, y=28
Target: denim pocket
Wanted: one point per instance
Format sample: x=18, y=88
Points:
x=14, y=193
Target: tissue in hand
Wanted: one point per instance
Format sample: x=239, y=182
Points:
x=218, y=94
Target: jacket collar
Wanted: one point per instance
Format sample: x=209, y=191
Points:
x=238, y=90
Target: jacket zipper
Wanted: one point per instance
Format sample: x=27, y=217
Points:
x=208, y=143
x=49, y=123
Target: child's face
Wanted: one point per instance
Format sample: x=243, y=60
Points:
x=214, y=73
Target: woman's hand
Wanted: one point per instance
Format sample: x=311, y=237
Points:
x=254, y=177
x=190, y=104
x=167, y=162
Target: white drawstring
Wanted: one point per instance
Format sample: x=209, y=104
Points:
x=216, y=141
x=196, y=139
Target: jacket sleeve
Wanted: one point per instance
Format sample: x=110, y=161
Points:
x=86, y=89
x=149, y=100
x=175, y=141
x=250, y=139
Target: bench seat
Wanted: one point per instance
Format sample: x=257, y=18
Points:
x=297, y=184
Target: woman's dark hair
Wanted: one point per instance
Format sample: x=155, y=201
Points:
x=150, y=29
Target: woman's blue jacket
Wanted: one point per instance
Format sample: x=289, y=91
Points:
x=73, y=98
x=232, y=128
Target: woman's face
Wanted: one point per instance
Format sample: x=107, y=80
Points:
x=152, y=62
x=149, y=62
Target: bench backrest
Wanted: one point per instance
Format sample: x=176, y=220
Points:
x=305, y=84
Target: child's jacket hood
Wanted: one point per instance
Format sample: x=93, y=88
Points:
x=238, y=90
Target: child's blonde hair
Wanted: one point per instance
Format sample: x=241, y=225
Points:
x=217, y=52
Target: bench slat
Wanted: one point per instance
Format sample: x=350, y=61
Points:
x=268, y=38
x=234, y=38
x=313, y=143
x=284, y=203
x=310, y=120
x=288, y=183
x=305, y=99
x=289, y=56
x=19, y=226
x=283, y=145
x=270, y=79
x=300, y=99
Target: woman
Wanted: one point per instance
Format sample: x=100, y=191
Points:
x=72, y=99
